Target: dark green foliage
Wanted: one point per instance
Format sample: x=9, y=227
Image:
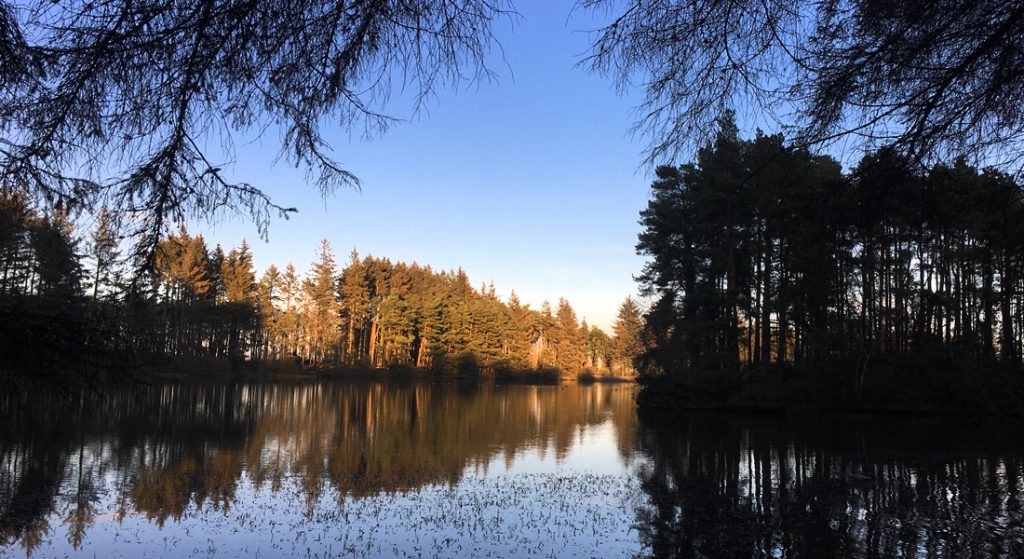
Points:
x=566, y=341
x=397, y=313
x=627, y=344
x=467, y=364
x=105, y=253
x=767, y=258
x=46, y=322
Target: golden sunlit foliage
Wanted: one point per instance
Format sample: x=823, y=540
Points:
x=371, y=312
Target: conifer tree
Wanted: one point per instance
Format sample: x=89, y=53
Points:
x=183, y=267
x=355, y=302
x=268, y=300
x=15, y=252
x=891, y=259
x=238, y=276
x=627, y=329
x=522, y=331
x=239, y=281
x=105, y=254
x=214, y=272
x=289, y=322
x=566, y=339
x=57, y=269
x=322, y=312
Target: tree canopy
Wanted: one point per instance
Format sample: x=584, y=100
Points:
x=934, y=79
x=765, y=255
x=203, y=302
x=132, y=104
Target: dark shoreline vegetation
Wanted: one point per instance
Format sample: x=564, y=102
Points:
x=73, y=310
x=780, y=283
x=200, y=369
x=897, y=387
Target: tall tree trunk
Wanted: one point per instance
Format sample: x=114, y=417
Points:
x=373, y=339
x=1006, y=340
x=766, y=312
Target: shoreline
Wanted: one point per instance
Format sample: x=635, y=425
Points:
x=188, y=369
x=889, y=392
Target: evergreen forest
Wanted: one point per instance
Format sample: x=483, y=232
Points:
x=71, y=301
x=893, y=283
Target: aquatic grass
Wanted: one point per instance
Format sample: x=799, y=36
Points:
x=558, y=513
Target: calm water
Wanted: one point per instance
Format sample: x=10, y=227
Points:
x=455, y=470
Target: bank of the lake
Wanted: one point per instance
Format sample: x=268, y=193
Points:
x=882, y=386
x=198, y=368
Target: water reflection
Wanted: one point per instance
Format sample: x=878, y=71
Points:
x=169, y=453
x=441, y=470
x=721, y=486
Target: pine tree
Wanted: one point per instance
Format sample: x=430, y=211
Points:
x=355, y=303
x=238, y=276
x=182, y=266
x=239, y=297
x=58, y=271
x=15, y=252
x=104, y=252
x=291, y=300
x=214, y=272
x=520, y=335
x=268, y=299
x=566, y=339
x=322, y=310
x=626, y=344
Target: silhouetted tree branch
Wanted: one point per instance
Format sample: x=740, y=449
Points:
x=117, y=102
x=932, y=78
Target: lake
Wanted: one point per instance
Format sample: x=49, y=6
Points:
x=419, y=469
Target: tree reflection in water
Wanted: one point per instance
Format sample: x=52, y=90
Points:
x=477, y=469
x=160, y=452
x=727, y=486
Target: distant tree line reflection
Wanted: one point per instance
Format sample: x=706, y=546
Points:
x=157, y=451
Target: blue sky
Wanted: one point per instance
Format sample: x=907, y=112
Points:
x=532, y=181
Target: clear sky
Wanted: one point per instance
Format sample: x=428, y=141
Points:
x=532, y=181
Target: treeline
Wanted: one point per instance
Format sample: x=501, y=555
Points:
x=764, y=255
x=197, y=301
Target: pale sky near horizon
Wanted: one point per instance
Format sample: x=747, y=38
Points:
x=532, y=182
